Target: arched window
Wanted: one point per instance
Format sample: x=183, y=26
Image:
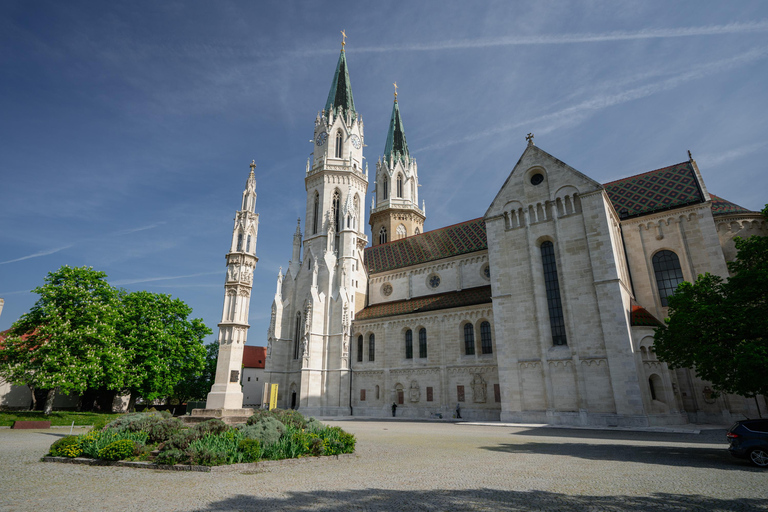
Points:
x=336, y=208
x=339, y=144
x=371, y=347
x=469, y=339
x=297, y=336
x=383, y=235
x=240, y=242
x=486, y=345
x=555, y=306
x=316, y=213
x=248, y=244
x=401, y=231
x=422, y=342
x=417, y=231
x=409, y=344
x=666, y=265
x=384, y=187
x=360, y=349
x=399, y=185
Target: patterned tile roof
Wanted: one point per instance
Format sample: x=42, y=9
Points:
x=721, y=206
x=433, y=245
x=469, y=297
x=641, y=316
x=662, y=189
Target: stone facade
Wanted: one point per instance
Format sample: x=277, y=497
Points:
x=543, y=310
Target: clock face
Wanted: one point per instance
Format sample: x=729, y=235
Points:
x=321, y=138
x=356, y=141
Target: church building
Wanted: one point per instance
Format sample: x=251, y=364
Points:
x=542, y=310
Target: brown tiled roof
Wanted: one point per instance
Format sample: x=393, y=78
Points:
x=469, y=297
x=662, y=189
x=437, y=244
x=722, y=206
x=641, y=316
x=254, y=357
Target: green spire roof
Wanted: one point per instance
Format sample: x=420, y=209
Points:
x=340, y=94
x=396, y=145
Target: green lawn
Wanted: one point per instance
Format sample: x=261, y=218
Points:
x=57, y=418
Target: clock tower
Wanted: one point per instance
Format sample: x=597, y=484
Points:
x=395, y=211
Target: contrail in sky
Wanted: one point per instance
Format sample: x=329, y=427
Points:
x=37, y=254
x=162, y=278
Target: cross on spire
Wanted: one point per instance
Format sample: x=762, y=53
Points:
x=343, y=39
x=395, y=84
x=529, y=138
x=253, y=165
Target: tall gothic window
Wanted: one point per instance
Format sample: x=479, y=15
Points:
x=401, y=231
x=248, y=244
x=297, y=336
x=316, y=213
x=360, y=349
x=422, y=342
x=371, y=347
x=356, y=203
x=240, y=242
x=469, y=339
x=556, y=319
x=383, y=235
x=336, y=210
x=666, y=265
x=486, y=344
x=409, y=344
x=339, y=144
x=384, y=188
x=399, y=185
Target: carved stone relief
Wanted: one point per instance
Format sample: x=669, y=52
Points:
x=414, y=393
x=479, y=389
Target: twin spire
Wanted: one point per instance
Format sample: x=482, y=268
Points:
x=340, y=98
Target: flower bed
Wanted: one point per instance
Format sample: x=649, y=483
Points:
x=159, y=438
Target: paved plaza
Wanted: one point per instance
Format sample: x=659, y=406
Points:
x=428, y=466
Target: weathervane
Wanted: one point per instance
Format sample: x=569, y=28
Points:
x=343, y=39
x=529, y=138
x=395, y=84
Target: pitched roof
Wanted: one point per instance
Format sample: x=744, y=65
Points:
x=254, y=357
x=340, y=95
x=468, y=297
x=662, y=189
x=722, y=206
x=437, y=244
x=641, y=317
x=396, y=145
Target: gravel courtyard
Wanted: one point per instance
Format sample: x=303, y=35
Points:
x=415, y=466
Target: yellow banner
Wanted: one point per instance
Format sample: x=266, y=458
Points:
x=273, y=397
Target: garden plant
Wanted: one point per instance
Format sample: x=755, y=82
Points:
x=158, y=437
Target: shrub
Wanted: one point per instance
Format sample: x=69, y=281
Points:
x=180, y=440
x=337, y=441
x=161, y=431
x=287, y=417
x=94, y=441
x=215, y=449
x=118, y=450
x=214, y=426
x=250, y=448
x=171, y=457
x=314, y=426
x=66, y=447
x=267, y=430
x=208, y=457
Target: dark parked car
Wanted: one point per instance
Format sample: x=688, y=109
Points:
x=749, y=440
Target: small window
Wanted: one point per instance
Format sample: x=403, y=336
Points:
x=399, y=185
x=384, y=188
x=249, y=379
x=383, y=235
x=460, y=393
x=429, y=394
x=422, y=343
x=339, y=144
x=469, y=339
x=316, y=213
x=377, y=392
x=497, y=393
x=486, y=344
x=240, y=242
x=371, y=348
x=434, y=281
x=362, y=395
x=297, y=336
x=409, y=344
x=537, y=178
x=360, y=349
x=554, y=304
x=336, y=210
x=248, y=244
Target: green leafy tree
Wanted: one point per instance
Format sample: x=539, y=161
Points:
x=67, y=340
x=164, y=346
x=720, y=327
x=198, y=386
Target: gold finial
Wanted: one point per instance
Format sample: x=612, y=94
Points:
x=529, y=138
x=395, y=84
x=690, y=156
x=343, y=39
x=253, y=165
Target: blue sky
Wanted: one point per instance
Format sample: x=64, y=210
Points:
x=127, y=129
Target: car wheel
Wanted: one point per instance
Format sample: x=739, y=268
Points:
x=759, y=457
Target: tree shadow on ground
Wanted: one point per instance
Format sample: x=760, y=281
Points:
x=711, y=436
x=681, y=456
x=480, y=499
